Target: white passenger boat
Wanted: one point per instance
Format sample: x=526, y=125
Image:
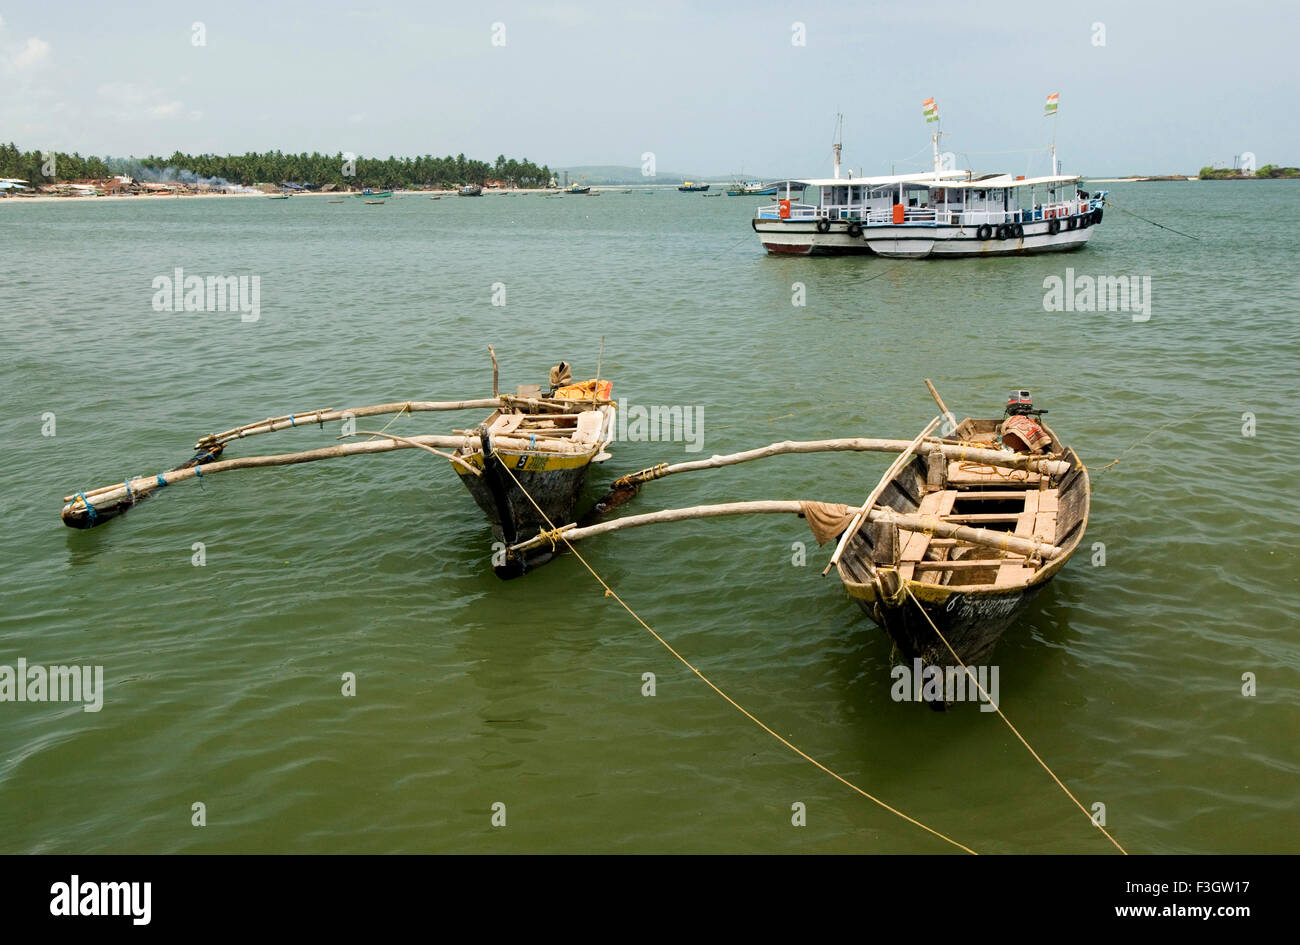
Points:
x=935, y=213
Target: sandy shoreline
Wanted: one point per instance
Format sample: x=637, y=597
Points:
x=154, y=198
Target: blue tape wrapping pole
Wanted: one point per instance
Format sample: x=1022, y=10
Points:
x=89, y=508
x=127, y=483
x=292, y=422
x=161, y=480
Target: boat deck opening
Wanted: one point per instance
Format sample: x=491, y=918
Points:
x=1025, y=513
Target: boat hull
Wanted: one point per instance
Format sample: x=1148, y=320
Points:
x=800, y=238
x=918, y=241
x=554, y=481
x=972, y=621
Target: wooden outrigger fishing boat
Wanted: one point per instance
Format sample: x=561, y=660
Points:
x=525, y=467
x=956, y=539
x=916, y=583
x=534, y=447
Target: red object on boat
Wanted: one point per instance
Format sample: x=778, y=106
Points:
x=784, y=211
x=1024, y=434
x=898, y=213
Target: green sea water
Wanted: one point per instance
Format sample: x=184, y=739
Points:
x=223, y=682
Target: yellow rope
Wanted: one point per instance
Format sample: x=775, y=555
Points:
x=609, y=592
x=998, y=709
x=405, y=411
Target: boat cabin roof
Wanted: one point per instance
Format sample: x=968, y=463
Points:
x=917, y=176
x=1001, y=180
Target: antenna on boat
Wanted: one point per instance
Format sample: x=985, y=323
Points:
x=838, y=146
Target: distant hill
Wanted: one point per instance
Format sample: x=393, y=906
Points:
x=616, y=174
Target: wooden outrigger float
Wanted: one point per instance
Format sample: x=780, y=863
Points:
x=970, y=526
x=532, y=444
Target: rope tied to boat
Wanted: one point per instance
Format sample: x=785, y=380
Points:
x=998, y=709
x=405, y=411
x=637, y=478
x=609, y=592
x=90, y=509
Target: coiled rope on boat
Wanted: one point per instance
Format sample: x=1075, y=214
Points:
x=609, y=592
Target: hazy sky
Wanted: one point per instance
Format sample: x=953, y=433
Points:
x=709, y=88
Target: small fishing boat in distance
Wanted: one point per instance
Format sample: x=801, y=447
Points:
x=277, y=196
x=576, y=189
x=691, y=187
x=470, y=190
x=374, y=203
x=374, y=193
x=751, y=188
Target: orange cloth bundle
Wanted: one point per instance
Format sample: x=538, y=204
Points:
x=585, y=390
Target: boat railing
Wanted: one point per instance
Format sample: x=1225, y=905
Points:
x=952, y=216
x=798, y=211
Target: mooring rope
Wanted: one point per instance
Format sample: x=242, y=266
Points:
x=609, y=592
x=1108, y=202
x=997, y=708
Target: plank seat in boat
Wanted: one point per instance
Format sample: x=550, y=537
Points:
x=917, y=543
x=1035, y=519
x=965, y=474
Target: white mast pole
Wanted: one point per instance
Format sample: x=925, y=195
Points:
x=838, y=145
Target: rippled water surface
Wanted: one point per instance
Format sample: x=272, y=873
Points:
x=222, y=682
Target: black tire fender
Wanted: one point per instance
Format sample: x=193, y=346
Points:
x=985, y=232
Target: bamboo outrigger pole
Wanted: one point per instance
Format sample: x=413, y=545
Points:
x=272, y=424
x=87, y=509
x=954, y=451
x=885, y=480
x=1004, y=541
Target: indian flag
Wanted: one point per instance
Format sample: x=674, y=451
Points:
x=930, y=109
x=1052, y=101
